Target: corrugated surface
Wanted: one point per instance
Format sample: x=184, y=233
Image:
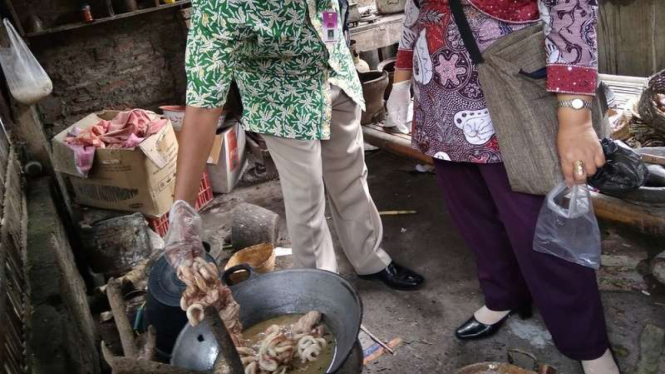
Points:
x=13, y=292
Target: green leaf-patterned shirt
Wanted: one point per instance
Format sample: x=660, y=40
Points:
x=275, y=52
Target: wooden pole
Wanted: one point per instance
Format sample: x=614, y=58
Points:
x=228, y=355
x=646, y=219
x=126, y=365
x=394, y=144
x=121, y=320
x=148, y=352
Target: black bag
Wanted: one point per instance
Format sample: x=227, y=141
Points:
x=624, y=170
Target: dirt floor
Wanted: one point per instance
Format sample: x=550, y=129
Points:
x=425, y=320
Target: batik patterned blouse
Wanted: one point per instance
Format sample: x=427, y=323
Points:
x=451, y=120
x=275, y=52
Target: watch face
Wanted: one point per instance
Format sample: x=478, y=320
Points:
x=577, y=103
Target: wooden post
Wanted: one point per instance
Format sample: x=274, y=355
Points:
x=125, y=365
x=121, y=320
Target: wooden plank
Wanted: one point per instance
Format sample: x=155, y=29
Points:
x=407, y=137
x=73, y=26
x=659, y=35
x=384, y=32
x=631, y=38
x=394, y=144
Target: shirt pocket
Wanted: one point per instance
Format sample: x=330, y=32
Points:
x=283, y=37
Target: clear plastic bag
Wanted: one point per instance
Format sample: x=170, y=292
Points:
x=183, y=240
x=27, y=80
x=567, y=227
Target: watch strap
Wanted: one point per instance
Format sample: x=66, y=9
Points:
x=570, y=104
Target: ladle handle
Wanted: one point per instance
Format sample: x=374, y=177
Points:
x=226, y=276
x=227, y=350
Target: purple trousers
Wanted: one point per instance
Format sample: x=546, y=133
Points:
x=498, y=225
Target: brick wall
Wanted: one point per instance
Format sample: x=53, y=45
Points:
x=131, y=63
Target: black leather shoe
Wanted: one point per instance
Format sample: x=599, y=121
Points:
x=473, y=330
x=397, y=277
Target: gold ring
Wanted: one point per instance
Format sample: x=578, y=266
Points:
x=578, y=168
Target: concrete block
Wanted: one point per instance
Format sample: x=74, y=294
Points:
x=119, y=244
x=62, y=335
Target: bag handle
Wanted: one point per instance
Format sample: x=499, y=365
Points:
x=465, y=30
x=14, y=37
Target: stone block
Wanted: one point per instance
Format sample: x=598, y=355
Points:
x=658, y=267
x=652, y=343
x=621, y=265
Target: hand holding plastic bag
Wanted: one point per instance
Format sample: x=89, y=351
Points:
x=567, y=227
x=183, y=240
x=27, y=80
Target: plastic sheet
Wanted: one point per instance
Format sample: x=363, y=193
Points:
x=624, y=170
x=567, y=227
x=27, y=80
x=183, y=240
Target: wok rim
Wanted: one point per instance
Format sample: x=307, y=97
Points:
x=256, y=277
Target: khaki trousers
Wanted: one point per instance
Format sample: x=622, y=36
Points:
x=307, y=169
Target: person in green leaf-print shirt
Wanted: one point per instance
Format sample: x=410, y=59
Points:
x=300, y=90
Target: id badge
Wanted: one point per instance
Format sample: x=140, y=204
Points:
x=330, y=29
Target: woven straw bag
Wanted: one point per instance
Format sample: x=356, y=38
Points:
x=647, y=108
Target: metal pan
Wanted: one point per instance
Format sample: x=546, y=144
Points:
x=275, y=294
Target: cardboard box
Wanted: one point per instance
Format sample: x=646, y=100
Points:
x=140, y=179
x=226, y=168
x=215, y=152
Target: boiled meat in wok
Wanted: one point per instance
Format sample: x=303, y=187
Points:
x=280, y=347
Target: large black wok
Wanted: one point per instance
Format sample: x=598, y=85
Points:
x=276, y=294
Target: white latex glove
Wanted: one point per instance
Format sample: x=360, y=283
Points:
x=398, y=106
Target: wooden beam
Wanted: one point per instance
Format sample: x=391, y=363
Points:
x=643, y=218
x=126, y=365
x=116, y=17
x=631, y=37
x=393, y=143
x=384, y=32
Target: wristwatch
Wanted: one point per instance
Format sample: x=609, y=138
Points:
x=577, y=104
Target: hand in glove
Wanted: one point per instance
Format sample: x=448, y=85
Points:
x=398, y=106
x=183, y=240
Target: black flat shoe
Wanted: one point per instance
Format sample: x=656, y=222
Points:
x=397, y=277
x=474, y=330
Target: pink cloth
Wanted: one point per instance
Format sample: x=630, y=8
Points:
x=126, y=130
